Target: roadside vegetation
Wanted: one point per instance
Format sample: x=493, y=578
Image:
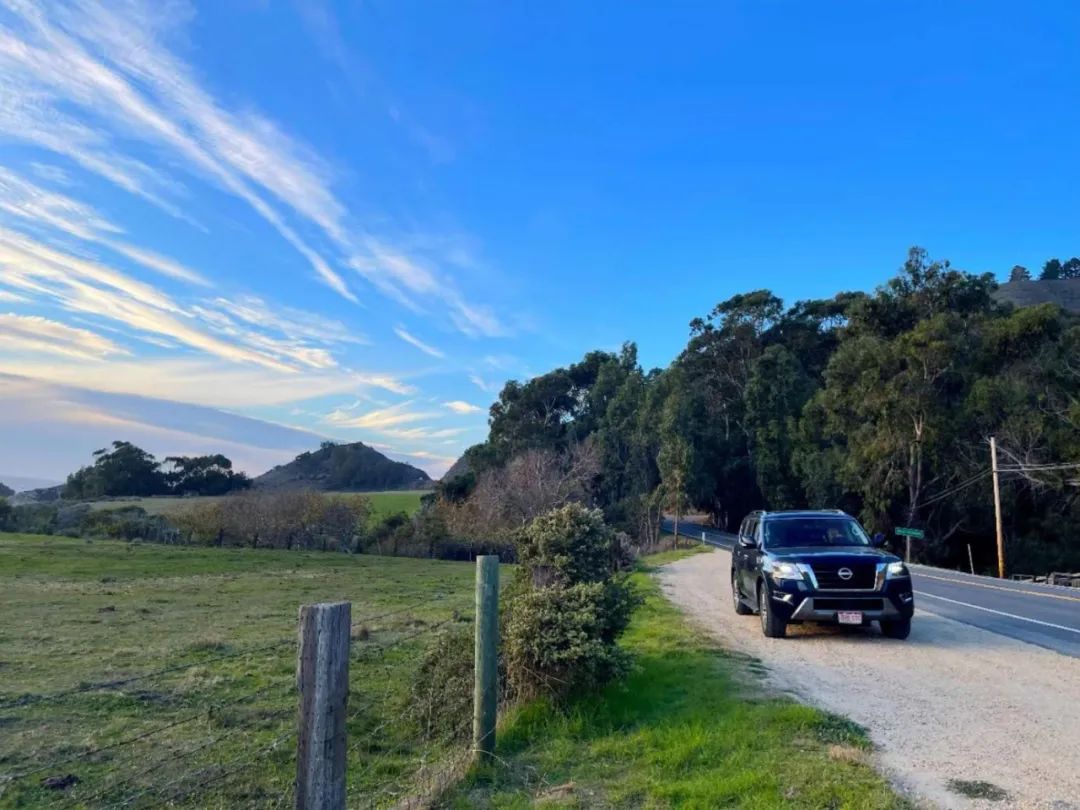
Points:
x=880, y=404
x=690, y=726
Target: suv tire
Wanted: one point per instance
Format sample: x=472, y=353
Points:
x=772, y=626
x=897, y=628
x=740, y=605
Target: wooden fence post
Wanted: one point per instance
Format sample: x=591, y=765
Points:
x=486, y=662
x=322, y=677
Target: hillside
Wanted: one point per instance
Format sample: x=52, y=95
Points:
x=1063, y=292
x=457, y=469
x=344, y=468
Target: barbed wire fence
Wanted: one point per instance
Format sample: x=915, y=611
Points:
x=339, y=731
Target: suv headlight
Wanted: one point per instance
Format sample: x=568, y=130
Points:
x=896, y=570
x=785, y=570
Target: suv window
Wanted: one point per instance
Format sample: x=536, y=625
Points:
x=814, y=532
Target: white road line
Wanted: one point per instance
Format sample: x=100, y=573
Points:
x=922, y=595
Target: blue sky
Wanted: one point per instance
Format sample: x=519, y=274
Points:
x=356, y=220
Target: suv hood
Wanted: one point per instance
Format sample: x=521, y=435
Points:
x=837, y=554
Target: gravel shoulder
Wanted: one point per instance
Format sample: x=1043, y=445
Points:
x=953, y=702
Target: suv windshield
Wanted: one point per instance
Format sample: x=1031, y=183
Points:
x=801, y=532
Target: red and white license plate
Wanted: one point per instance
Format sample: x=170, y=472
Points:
x=849, y=617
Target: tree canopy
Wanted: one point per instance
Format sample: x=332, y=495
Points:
x=880, y=404
x=129, y=471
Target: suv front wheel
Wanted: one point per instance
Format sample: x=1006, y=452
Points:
x=772, y=626
x=740, y=606
x=896, y=628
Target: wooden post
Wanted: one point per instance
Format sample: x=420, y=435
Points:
x=997, y=509
x=486, y=662
x=971, y=560
x=322, y=677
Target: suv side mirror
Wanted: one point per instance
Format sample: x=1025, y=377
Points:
x=878, y=541
x=747, y=542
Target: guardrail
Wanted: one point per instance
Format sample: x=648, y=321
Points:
x=710, y=537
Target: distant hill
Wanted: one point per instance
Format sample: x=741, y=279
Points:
x=20, y=483
x=5, y=490
x=344, y=468
x=1063, y=292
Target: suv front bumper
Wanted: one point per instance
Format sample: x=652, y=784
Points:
x=797, y=602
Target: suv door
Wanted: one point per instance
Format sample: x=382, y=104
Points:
x=748, y=558
x=737, y=554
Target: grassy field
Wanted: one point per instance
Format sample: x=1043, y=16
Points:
x=382, y=503
x=690, y=728
x=80, y=613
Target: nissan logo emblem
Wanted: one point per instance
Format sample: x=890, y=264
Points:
x=845, y=574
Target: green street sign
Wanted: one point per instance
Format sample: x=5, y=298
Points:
x=916, y=533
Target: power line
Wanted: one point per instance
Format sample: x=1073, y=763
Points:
x=959, y=487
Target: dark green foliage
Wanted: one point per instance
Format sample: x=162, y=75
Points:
x=128, y=471
x=204, y=475
x=6, y=511
x=878, y=404
x=1055, y=269
x=124, y=471
x=5, y=490
x=567, y=606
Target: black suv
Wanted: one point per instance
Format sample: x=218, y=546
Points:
x=818, y=567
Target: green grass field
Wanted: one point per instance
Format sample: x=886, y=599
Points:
x=690, y=728
x=382, y=503
x=78, y=613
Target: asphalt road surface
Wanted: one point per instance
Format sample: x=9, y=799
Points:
x=1046, y=615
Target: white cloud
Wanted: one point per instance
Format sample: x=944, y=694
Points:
x=31, y=333
x=484, y=385
x=12, y=297
x=421, y=433
x=377, y=420
x=459, y=406
x=419, y=344
x=203, y=381
x=86, y=78
x=53, y=174
x=147, y=93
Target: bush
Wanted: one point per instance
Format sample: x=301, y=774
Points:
x=290, y=519
x=567, y=606
x=441, y=692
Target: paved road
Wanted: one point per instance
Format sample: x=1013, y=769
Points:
x=1038, y=614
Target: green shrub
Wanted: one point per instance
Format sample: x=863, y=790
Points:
x=567, y=606
x=441, y=691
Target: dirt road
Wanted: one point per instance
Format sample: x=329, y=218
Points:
x=953, y=702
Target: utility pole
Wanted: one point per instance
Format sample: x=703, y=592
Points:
x=997, y=508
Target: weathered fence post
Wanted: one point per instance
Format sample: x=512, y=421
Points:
x=485, y=683
x=322, y=677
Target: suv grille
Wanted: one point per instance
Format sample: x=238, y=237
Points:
x=848, y=604
x=863, y=577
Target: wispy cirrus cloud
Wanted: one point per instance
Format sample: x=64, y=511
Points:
x=245, y=331
x=109, y=62
x=422, y=433
x=487, y=386
x=26, y=201
x=36, y=334
x=82, y=78
x=462, y=407
x=379, y=419
x=414, y=341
